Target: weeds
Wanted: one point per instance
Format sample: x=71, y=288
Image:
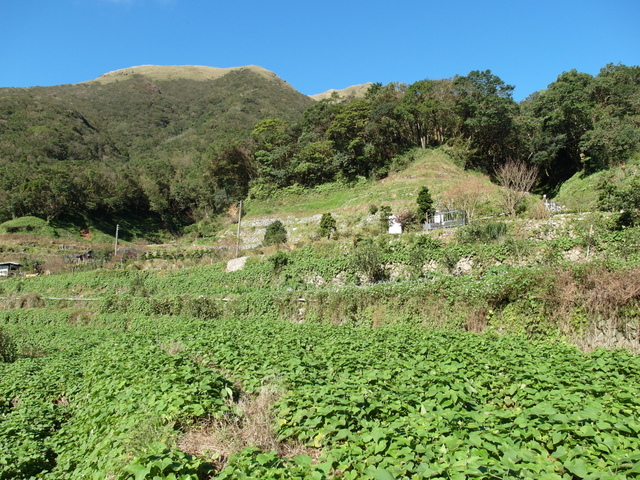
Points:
x=8, y=348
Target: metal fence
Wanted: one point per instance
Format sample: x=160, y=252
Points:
x=452, y=218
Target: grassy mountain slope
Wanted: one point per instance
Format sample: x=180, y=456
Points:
x=354, y=91
x=451, y=186
x=580, y=192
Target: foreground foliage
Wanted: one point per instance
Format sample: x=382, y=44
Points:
x=394, y=402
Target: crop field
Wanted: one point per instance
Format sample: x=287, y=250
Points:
x=333, y=360
x=352, y=402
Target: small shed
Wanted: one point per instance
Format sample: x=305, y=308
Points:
x=8, y=268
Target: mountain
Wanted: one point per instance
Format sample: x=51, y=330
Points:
x=354, y=91
x=147, y=110
x=150, y=146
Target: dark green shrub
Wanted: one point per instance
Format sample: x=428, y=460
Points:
x=384, y=214
x=275, y=234
x=279, y=260
x=327, y=225
x=425, y=203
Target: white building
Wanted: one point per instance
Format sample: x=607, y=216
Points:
x=394, y=225
x=8, y=268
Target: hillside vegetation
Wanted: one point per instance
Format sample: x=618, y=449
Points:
x=163, y=148
x=317, y=345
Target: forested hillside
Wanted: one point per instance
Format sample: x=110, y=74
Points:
x=174, y=150
x=154, y=147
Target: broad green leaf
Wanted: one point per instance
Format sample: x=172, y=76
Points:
x=303, y=460
x=578, y=467
x=382, y=474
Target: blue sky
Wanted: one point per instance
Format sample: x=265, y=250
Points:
x=316, y=46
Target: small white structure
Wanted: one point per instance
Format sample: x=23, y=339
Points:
x=394, y=225
x=8, y=268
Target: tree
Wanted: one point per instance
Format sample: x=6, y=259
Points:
x=425, y=203
x=485, y=104
x=612, y=141
x=615, y=135
x=275, y=234
x=327, y=225
x=565, y=113
x=517, y=178
x=227, y=174
x=623, y=198
x=313, y=164
x=350, y=135
x=428, y=112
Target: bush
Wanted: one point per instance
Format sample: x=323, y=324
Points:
x=425, y=203
x=410, y=220
x=482, y=233
x=366, y=260
x=384, y=214
x=279, y=260
x=8, y=348
x=623, y=198
x=275, y=234
x=327, y=225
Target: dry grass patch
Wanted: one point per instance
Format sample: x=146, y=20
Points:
x=175, y=72
x=253, y=426
x=597, y=309
x=25, y=301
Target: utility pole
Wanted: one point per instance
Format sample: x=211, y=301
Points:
x=238, y=234
x=115, y=252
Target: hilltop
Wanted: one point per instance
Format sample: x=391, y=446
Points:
x=179, y=72
x=146, y=109
x=354, y=91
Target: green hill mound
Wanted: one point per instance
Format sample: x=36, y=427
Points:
x=452, y=188
x=28, y=225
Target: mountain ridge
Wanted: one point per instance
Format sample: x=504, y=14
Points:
x=173, y=72
x=204, y=73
